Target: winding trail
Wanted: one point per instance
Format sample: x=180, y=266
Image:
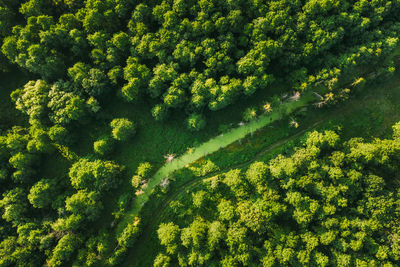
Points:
x=160, y=211
x=209, y=147
x=217, y=143
x=194, y=182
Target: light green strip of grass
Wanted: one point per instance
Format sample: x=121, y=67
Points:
x=209, y=147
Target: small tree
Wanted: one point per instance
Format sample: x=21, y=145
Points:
x=136, y=181
x=396, y=130
x=159, y=112
x=103, y=145
x=249, y=114
x=196, y=122
x=122, y=129
x=142, y=173
x=144, y=169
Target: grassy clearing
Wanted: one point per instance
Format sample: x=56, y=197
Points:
x=367, y=115
x=211, y=146
x=152, y=141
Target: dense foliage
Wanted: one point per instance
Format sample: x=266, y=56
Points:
x=164, y=58
x=193, y=54
x=331, y=203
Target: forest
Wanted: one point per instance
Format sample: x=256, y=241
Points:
x=135, y=133
x=331, y=203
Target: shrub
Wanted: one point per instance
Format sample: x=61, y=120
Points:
x=103, y=146
x=196, y=122
x=144, y=169
x=122, y=129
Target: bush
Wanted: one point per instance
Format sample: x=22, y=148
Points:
x=122, y=129
x=136, y=181
x=129, y=234
x=159, y=112
x=396, y=130
x=144, y=169
x=103, y=146
x=249, y=114
x=196, y=122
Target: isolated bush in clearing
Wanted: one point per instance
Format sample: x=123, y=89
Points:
x=122, y=129
x=196, y=122
x=104, y=145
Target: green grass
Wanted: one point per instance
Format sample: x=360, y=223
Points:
x=153, y=140
x=211, y=146
x=366, y=115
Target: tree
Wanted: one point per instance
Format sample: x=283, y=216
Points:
x=42, y=194
x=162, y=260
x=64, y=250
x=163, y=75
x=40, y=141
x=159, y=112
x=118, y=48
x=144, y=169
x=32, y=100
x=14, y=206
x=94, y=175
x=65, y=106
x=249, y=114
x=129, y=234
x=251, y=85
x=137, y=180
x=122, y=129
x=137, y=75
x=95, y=83
x=59, y=134
x=196, y=122
x=216, y=234
x=174, y=97
x=17, y=139
x=256, y=174
x=21, y=161
x=396, y=130
x=169, y=233
x=142, y=174
x=104, y=145
x=85, y=204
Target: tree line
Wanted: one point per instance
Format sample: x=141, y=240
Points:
x=170, y=55
x=331, y=203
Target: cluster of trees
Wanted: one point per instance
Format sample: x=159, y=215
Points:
x=121, y=130
x=174, y=54
x=142, y=175
x=194, y=54
x=331, y=203
x=45, y=219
